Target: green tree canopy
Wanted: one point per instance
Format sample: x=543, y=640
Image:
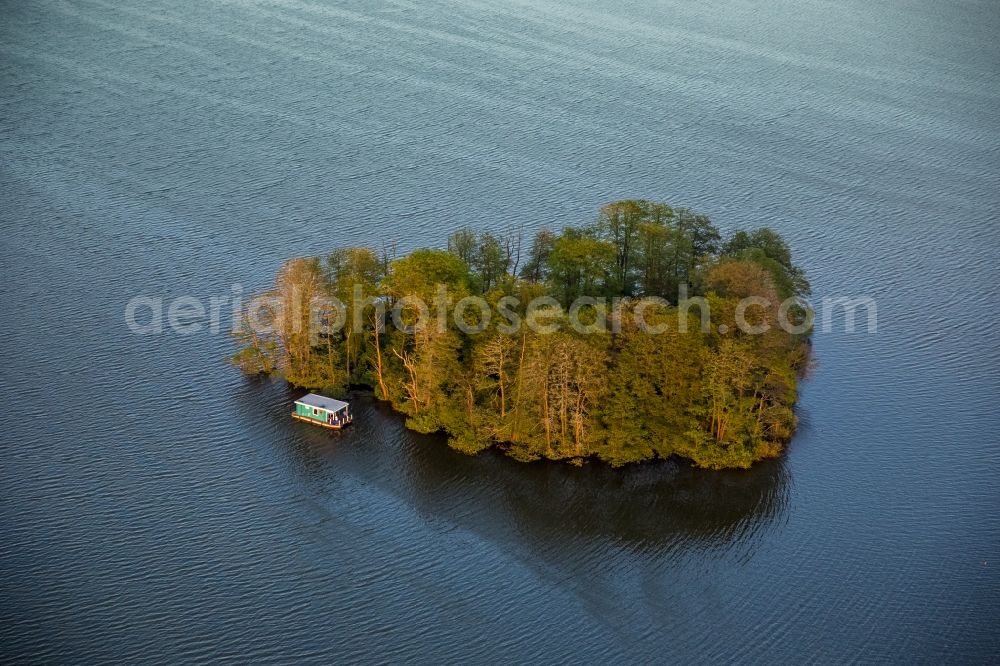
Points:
x=654, y=387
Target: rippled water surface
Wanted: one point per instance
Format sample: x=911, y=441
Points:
x=158, y=507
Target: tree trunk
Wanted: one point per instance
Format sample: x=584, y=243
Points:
x=378, y=360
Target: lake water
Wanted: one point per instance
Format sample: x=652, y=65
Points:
x=157, y=506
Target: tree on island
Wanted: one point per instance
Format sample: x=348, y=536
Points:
x=601, y=385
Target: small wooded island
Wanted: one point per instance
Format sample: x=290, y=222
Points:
x=641, y=335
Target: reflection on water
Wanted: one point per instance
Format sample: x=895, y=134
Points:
x=648, y=508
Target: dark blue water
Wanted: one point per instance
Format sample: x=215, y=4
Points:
x=158, y=507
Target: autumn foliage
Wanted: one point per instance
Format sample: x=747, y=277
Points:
x=717, y=395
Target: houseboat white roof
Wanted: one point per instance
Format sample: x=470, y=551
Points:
x=321, y=401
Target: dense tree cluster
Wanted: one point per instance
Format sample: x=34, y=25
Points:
x=715, y=394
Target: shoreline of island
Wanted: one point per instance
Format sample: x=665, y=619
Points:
x=638, y=336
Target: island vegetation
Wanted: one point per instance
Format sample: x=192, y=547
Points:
x=646, y=346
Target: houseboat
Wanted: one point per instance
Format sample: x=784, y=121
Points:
x=322, y=411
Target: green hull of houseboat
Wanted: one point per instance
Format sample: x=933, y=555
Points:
x=325, y=424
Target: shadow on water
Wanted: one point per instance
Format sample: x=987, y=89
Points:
x=653, y=507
